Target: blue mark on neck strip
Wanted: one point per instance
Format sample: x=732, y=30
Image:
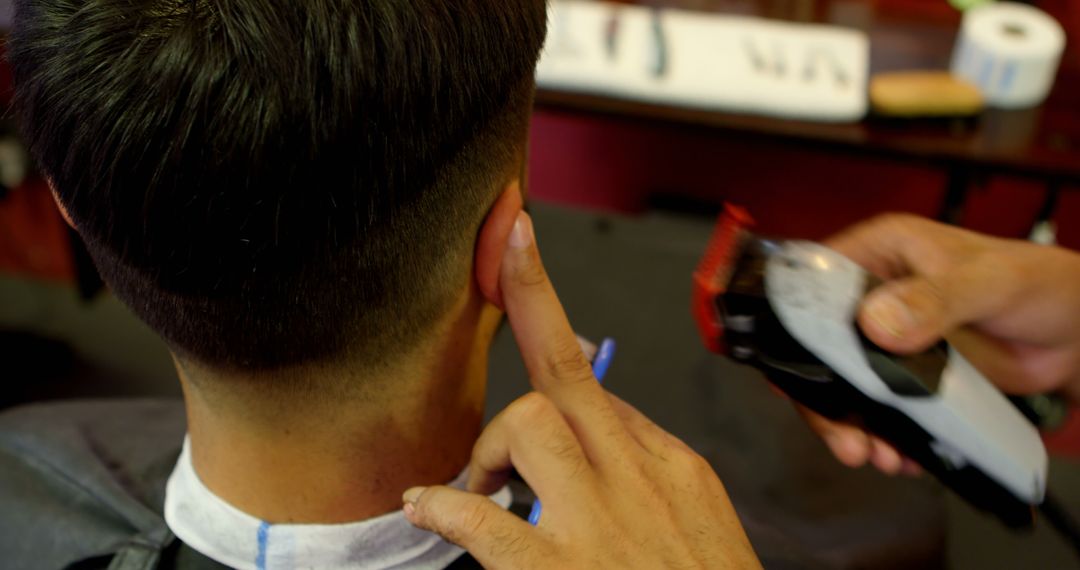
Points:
x=263, y=535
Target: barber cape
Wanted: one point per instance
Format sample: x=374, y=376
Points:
x=83, y=486
x=220, y=531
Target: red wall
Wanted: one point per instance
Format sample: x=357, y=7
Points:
x=610, y=163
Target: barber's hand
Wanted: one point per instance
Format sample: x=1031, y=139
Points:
x=617, y=490
x=1012, y=308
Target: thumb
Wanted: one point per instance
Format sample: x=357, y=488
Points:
x=911, y=314
x=495, y=537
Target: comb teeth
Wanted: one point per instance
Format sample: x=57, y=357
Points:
x=715, y=264
x=714, y=270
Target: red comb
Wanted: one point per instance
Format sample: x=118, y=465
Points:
x=713, y=272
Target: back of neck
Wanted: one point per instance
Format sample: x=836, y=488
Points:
x=292, y=461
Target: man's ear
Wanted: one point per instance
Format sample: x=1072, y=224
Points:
x=63, y=211
x=491, y=243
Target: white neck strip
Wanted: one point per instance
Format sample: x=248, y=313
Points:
x=223, y=533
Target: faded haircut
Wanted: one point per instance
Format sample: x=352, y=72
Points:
x=269, y=183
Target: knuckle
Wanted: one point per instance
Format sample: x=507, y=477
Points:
x=507, y=545
x=931, y=293
x=1005, y=269
x=896, y=220
x=535, y=414
x=897, y=225
x=692, y=462
x=531, y=409
x=469, y=521
x=568, y=453
x=567, y=362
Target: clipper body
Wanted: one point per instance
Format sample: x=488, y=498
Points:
x=788, y=308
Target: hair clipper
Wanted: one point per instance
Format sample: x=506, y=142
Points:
x=789, y=309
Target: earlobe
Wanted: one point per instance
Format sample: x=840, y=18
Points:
x=491, y=243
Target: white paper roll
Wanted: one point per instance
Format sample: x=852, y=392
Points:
x=1010, y=51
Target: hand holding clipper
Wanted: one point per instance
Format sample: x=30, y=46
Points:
x=790, y=308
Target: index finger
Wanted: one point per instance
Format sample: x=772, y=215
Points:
x=892, y=245
x=551, y=352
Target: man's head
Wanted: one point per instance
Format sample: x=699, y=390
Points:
x=273, y=183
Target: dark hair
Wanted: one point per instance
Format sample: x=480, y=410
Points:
x=267, y=182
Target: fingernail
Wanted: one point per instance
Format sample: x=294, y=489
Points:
x=852, y=447
x=890, y=313
x=885, y=458
x=911, y=468
x=412, y=495
x=522, y=234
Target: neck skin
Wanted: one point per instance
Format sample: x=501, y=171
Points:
x=285, y=459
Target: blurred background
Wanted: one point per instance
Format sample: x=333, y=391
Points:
x=633, y=170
